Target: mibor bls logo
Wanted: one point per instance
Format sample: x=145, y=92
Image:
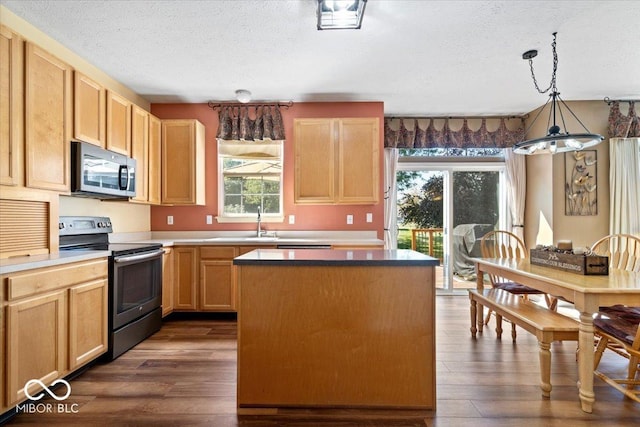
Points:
x=47, y=408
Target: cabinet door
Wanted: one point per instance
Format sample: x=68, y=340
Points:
x=185, y=264
x=36, y=342
x=140, y=151
x=89, y=107
x=118, y=124
x=154, y=164
x=47, y=120
x=183, y=162
x=358, y=160
x=167, y=281
x=88, y=322
x=11, y=108
x=314, y=146
x=217, y=285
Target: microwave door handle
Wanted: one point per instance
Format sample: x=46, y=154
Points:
x=123, y=169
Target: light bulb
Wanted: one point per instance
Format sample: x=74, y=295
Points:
x=553, y=147
x=243, y=95
x=573, y=143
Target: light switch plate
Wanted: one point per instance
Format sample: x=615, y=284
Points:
x=369, y=217
x=292, y=219
x=209, y=219
x=170, y=219
x=349, y=219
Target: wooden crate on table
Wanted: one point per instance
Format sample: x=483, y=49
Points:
x=579, y=264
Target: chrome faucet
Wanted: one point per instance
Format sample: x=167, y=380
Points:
x=259, y=222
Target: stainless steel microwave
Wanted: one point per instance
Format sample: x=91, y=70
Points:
x=100, y=173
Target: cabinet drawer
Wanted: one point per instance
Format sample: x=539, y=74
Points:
x=47, y=279
x=221, y=252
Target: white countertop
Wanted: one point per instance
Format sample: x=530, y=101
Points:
x=12, y=265
x=174, y=238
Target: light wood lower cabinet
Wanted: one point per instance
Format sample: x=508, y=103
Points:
x=185, y=274
x=88, y=311
x=205, y=277
x=55, y=321
x=36, y=342
x=217, y=279
x=167, y=281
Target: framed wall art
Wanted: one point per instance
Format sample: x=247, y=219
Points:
x=581, y=195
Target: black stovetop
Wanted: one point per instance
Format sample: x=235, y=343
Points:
x=92, y=233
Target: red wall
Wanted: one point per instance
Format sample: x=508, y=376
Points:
x=308, y=217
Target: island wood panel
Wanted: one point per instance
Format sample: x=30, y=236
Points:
x=349, y=336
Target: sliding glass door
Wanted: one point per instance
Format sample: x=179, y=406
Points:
x=444, y=209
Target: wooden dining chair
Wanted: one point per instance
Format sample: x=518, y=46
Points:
x=504, y=244
x=618, y=327
x=623, y=251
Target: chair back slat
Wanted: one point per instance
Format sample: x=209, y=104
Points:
x=623, y=251
x=502, y=244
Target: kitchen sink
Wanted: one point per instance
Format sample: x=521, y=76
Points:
x=243, y=239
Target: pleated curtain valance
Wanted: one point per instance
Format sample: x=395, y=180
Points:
x=407, y=133
x=621, y=126
x=237, y=123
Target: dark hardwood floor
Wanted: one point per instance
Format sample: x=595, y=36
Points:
x=185, y=376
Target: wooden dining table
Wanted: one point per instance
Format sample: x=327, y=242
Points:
x=587, y=293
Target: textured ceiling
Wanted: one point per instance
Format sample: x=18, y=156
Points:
x=418, y=57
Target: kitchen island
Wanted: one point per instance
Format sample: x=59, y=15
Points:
x=335, y=328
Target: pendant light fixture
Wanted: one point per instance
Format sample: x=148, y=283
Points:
x=558, y=139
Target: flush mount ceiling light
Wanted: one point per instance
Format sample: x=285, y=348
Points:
x=559, y=139
x=243, y=95
x=340, y=14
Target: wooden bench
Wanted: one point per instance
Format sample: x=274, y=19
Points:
x=546, y=325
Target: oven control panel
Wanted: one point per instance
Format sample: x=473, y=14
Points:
x=73, y=225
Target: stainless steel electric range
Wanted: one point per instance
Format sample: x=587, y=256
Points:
x=135, y=280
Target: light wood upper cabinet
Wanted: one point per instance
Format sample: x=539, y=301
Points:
x=183, y=175
x=47, y=120
x=336, y=161
x=358, y=160
x=140, y=151
x=89, y=110
x=11, y=108
x=118, y=124
x=155, y=160
x=315, y=163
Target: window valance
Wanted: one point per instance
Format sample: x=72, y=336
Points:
x=399, y=135
x=237, y=124
x=621, y=126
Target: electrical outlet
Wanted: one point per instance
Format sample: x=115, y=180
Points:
x=209, y=219
x=349, y=219
x=170, y=219
x=369, y=217
x=292, y=219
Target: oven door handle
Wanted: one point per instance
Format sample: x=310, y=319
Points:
x=129, y=258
